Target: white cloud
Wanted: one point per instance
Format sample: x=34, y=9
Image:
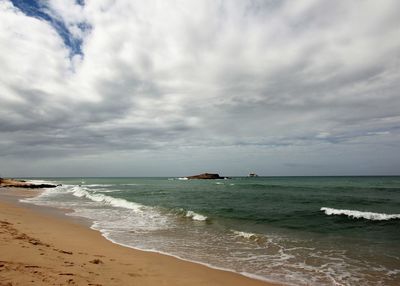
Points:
x=34, y=63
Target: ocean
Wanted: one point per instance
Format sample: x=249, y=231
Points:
x=296, y=230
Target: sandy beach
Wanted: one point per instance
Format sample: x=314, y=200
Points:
x=42, y=246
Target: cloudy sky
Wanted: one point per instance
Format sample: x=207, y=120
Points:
x=174, y=88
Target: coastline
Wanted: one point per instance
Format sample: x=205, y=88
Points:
x=41, y=245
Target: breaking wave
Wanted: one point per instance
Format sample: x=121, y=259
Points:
x=115, y=202
x=359, y=214
x=81, y=192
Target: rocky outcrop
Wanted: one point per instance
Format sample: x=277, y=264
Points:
x=205, y=176
x=38, y=186
x=23, y=184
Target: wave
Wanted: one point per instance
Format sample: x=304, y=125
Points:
x=359, y=214
x=115, y=202
x=196, y=216
x=183, y=179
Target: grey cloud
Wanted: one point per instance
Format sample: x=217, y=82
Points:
x=250, y=75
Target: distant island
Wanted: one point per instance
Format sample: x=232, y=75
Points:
x=206, y=176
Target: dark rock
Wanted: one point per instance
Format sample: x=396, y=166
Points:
x=39, y=186
x=205, y=176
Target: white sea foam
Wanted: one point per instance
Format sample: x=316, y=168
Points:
x=98, y=185
x=130, y=185
x=48, y=192
x=181, y=257
x=360, y=214
x=196, y=216
x=115, y=202
x=249, y=235
x=183, y=179
x=105, y=190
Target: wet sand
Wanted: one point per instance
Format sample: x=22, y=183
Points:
x=42, y=246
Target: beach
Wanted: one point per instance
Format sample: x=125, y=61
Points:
x=42, y=246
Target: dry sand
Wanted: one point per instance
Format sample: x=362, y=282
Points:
x=42, y=248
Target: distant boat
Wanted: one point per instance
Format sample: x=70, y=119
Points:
x=253, y=175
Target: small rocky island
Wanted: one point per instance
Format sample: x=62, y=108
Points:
x=206, y=176
x=22, y=184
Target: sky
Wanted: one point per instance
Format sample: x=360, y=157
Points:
x=176, y=88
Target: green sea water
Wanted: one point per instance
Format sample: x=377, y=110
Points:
x=297, y=230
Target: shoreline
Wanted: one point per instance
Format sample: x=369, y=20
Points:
x=30, y=229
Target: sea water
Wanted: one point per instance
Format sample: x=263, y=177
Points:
x=296, y=230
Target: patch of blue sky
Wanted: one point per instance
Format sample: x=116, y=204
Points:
x=39, y=10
